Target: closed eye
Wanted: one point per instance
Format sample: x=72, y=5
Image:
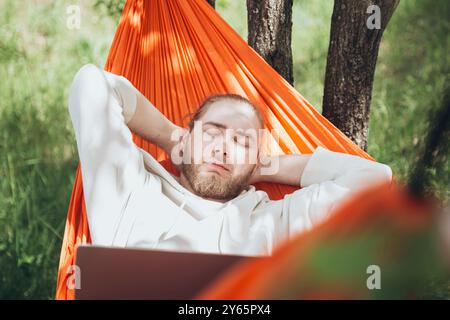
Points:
x=213, y=131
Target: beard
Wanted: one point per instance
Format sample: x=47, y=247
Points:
x=212, y=186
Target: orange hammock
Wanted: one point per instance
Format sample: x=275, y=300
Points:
x=178, y=52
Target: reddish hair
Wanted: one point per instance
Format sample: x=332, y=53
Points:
x=219, y=97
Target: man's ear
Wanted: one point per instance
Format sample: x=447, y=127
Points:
x=261, y=157
x=254, y=177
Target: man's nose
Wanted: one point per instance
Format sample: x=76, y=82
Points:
x=220, y=150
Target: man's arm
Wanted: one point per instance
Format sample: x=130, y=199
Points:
x=145, y=120
x=101, y=105
x=289, y=169
x=327, y=178
x=286, y=169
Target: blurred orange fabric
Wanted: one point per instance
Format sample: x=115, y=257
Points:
x=383, y=226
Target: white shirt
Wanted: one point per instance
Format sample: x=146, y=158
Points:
x=131, y=200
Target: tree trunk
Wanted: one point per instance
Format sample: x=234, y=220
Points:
x=270, y=33
x=212, y=3
x=352, y=56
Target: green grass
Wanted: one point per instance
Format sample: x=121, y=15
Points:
x=38, y=158
x=411, y=72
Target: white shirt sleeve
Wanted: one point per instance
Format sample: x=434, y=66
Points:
x=100, y=105
x=327, y=179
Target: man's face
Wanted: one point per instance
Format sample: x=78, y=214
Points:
x=222, y=150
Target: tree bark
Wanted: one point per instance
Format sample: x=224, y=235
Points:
x=212, y=3
x=270, y=33
x=352, y=56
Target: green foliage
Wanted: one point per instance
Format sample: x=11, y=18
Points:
x=38, y=158
x=113, y=8
x=39, y=56
x=412, y=69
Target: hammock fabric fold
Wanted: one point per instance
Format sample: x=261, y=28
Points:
x=178, y=52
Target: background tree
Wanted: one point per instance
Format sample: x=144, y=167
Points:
x=270, y=33
x=212, y=3
x=352, y=56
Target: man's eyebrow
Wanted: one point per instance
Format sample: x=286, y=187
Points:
x=215, y=124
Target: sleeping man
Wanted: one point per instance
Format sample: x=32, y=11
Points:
x=131, y=200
